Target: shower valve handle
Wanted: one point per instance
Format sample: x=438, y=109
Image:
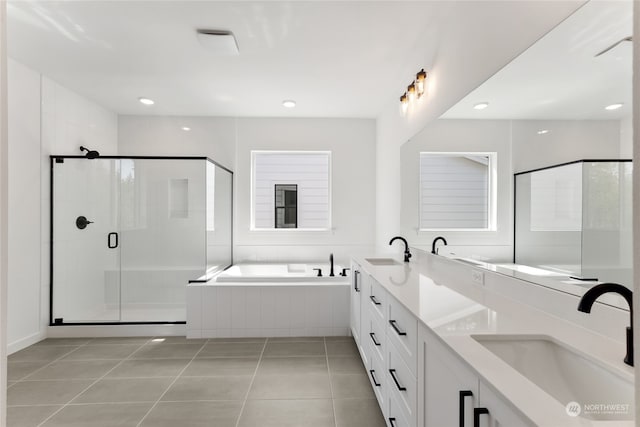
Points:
x=82, y=222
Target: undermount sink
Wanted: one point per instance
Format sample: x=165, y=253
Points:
x=382, y=261
x=564, y=374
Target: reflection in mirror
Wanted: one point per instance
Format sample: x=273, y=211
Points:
x=565, y=99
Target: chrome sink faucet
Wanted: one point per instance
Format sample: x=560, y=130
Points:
x=595, y=292
x=407, y=254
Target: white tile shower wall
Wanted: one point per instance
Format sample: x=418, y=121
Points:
x=271, y=311
x=44, y=118
x=352, y=146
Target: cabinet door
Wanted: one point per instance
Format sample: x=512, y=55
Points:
x=500, y=414
x=449, y=390
x=356, y=291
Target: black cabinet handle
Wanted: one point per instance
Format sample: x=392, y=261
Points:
x=476, y=415
x=373, y=338
x=463, y=394
x=375, y=301
x=392, y=421
x=356, y=276
x=109, y=244
x=395, y=327
x=395, y=380
x=375, y=382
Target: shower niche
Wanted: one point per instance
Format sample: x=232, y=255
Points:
x=129, y=233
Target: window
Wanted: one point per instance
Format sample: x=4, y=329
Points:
x=457, y=191
x=291, y=190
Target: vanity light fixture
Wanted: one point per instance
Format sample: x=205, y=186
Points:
x=481, y=105
x=415, y=90
x=543, y=131
x=146, y=101
x=288, y=103
x=420, y=79
x=614, y=106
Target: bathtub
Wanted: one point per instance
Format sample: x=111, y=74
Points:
x=270, y=300
x=281, y=273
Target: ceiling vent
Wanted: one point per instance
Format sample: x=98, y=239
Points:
x=219, y=42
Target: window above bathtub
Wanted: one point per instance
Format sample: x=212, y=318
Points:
x=290, y=190
x=458, y=191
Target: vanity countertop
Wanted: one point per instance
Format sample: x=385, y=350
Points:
x=457, y=312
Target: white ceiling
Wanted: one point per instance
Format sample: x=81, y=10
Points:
x=336, y=59
x=559, y=77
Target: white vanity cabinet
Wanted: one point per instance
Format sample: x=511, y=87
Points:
x=450, y=394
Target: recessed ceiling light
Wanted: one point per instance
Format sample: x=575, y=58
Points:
x=185, y=128
x=146, y=101
x=288, y=103
x=613, y=106
x=543, y=131
x=481, y=105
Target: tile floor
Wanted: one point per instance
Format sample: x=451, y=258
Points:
x=172, y=381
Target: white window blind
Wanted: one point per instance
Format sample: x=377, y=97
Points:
x=308, y=170
x=455, y=190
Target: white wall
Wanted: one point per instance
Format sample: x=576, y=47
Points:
x=352, y=144
x=462, y=61
x=4, y=207
x=44, y=119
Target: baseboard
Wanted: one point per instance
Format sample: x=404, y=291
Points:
x=116, y=330
x=25, y=342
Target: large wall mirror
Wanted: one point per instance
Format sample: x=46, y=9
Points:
x=564, y=100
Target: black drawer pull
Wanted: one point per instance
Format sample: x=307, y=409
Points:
x=395, y=327
x=463, y=394
x=395, y=380
x=375, y=382
x=373, y=338
x=375, y=301
x=476, y=415
x=392, y=421
x=356, y=276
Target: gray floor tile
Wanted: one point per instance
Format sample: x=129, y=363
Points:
x=300, y=386
x=237, y=340
x=346, y=365
x=293, y=365
x=358, y=413
x=342, y=348
x=29, y=416
x=179, y=340
x=120, y=340
x=338, y=339
x=287, y=413
x=295, y=339
x=139, y=368
x=284, y=349
x=242, y=349
x=125, y=390
x=167, y=351
x=64, y=341
x=19, y=370
x=110, y=415
x=221, y=367
x=103, y=351
x=45, y=392
x=76, y=369
x=349, y=386
x=194, y=414
x=46, y=353
x=208, y=388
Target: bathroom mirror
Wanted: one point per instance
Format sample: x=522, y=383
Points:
x=567, y=98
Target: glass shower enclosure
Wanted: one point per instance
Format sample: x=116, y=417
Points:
x=129, y=233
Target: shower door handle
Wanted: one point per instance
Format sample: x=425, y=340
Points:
x=109, y=240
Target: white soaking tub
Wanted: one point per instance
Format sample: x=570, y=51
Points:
x=270, y=300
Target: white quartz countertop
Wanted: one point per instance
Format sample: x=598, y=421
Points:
x=456, y=312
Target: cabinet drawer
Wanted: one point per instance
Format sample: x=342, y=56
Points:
x=394, y=415
x=377, y=378
x=402, y=330
x=402, y=384
x=376, y=300
x=373, y=334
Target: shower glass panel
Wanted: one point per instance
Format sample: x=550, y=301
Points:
x=152, y=226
